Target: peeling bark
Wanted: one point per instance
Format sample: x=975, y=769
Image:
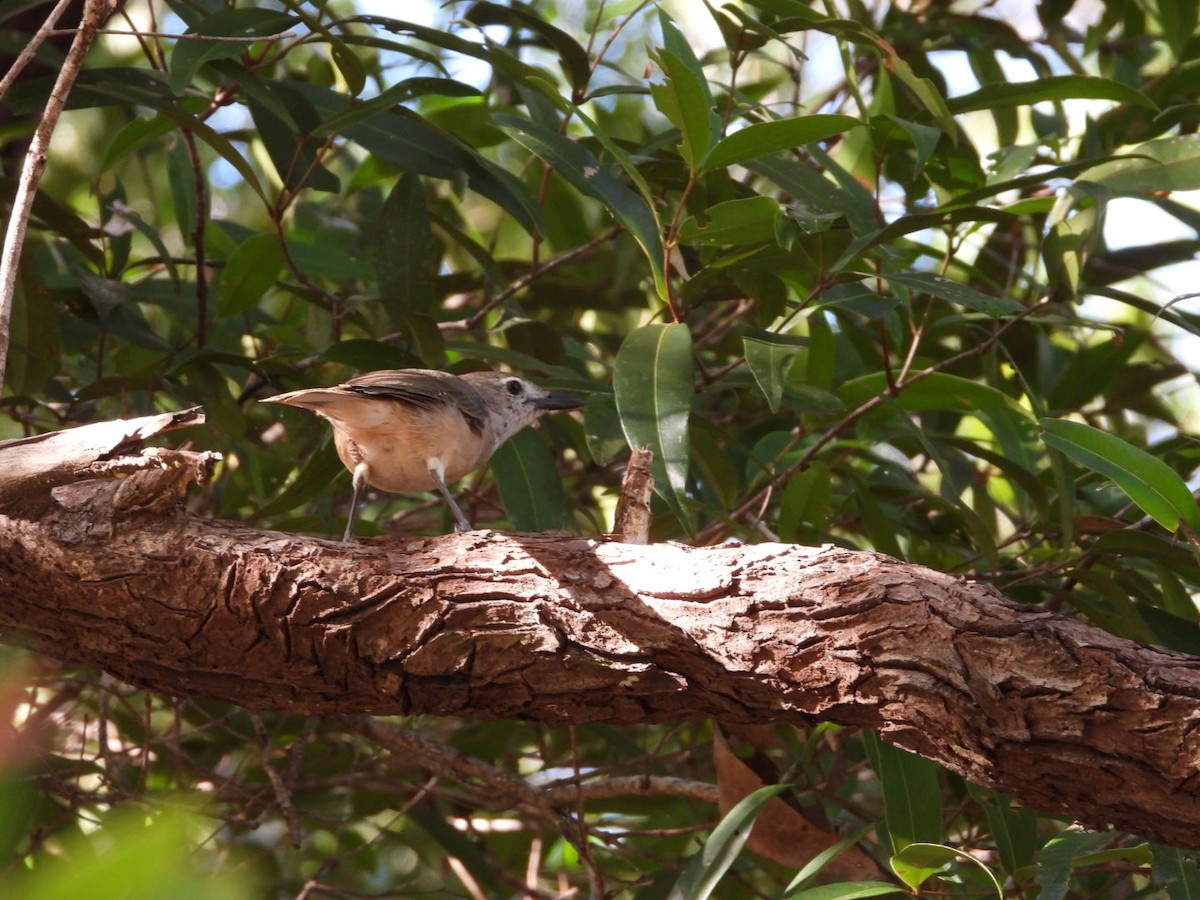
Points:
x=1059, y=714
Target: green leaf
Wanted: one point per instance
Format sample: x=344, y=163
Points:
x=410, y=142
x=131, y=853
x=35, y=339
x=924, y=137
x=857, y=890
x=770, y=358
x=367, y=355
x=530, y=485
x=249, y=273
x=135, y=135
x=687, y=103
x=1058, y=858
x=314, y=479
x=920, y=222
x=923, y=89
x=1176, y=869
x=767, y=138
x=406, y=255
x=804, y=504
x=685, y=99
x=183, y=188
x=960, y=294
x=1014, y=830
x=916, y=863
x=704, y=870
x=1148, y=481
x=573, y=57
x=602, y=428
x=285, y=120
x=354, y=73
x=1056, y=87
x=189, y=55
x=937, y=390
x=398, y=93
x=1170, y=164
x=814, y=866
x=576, y=164
x=222, y=146
x=652, y=381
x=748, y=220
x=911, y=794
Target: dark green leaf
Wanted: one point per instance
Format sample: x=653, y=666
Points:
x=249, y=273
x=1056, y=87
x=652, y=380
x=857, y=890
x=189, y=55
x=745, y=221
x=704, y=870
x=406, y=255
x=602, y=428
x=960, y=294
x=686, y=102
x=767, y=138
x=1150, y=483
x=35, y=339
x=916, y=863
x=530, y=485
x=575, y=62
x=770, y=358
x=408, y=141
x=1170, y=164
x=1177, y=870
x=367, y=355
x=1058, y=857
x=137, y=134
x=935, y=391
x=911, y=794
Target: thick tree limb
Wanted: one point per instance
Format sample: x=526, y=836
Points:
x=31, y=467
x=1059, y=714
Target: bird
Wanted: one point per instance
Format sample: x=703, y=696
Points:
x=423, y=429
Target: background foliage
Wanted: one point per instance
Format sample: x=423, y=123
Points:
x=848, y=269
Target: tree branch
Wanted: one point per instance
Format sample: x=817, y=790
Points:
x=94, y=14
x=1059, y=714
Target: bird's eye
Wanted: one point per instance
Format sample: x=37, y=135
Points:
x=514, y=387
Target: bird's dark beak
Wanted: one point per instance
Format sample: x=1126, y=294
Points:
x=557, y=400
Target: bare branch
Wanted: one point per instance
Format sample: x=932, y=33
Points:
x=30, y=50
x=94, y=13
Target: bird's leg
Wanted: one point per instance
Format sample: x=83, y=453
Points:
x=438, y=474
x=359, y=480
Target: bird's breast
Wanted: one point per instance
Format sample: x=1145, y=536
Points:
x=397, y=442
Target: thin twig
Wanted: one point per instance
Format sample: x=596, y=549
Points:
x=94, y=12
x=283, y=796
x=175, y=36
x=30, y=50
x=199, y=226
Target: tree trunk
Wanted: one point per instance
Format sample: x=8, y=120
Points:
x=1059, y=714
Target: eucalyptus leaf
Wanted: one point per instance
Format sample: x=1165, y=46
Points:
x=652, y=380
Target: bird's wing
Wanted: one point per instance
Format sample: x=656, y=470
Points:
x=423, y=389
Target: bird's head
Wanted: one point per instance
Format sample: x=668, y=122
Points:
x=514, y=402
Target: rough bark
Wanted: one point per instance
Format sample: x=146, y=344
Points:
x=1059, y=714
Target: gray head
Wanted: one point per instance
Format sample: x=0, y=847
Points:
x=513, y=402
